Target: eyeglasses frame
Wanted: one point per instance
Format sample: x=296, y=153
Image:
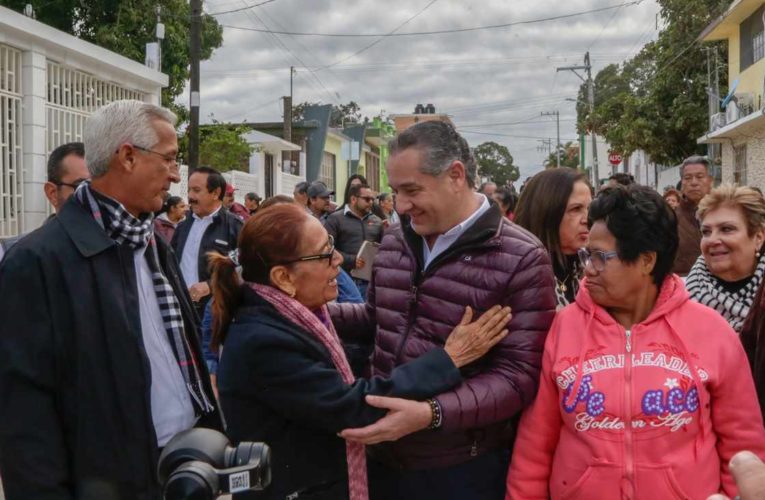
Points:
x=585, y=257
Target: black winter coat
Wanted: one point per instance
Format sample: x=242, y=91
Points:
x=75, y=410
x=221, y=236
x=277, y=384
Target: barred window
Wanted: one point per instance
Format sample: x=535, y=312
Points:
x=11, y=171
x=327, y=174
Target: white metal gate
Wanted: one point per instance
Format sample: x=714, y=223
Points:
x=72, y=96
x=11, y=171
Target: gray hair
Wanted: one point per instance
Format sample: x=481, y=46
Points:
x=441, y=144
x=695, y=160
x=118, y=123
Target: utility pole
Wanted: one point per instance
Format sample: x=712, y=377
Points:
x=292, y=72
x=160, y=32
x=196, y=54
x=591, y=99
x=556, y=114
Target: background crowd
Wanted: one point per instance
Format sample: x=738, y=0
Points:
x=566, y=341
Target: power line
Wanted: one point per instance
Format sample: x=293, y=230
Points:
x=536, y=119
x=298, y=59
x=419, y=64
x=606, y=26
x=394, y=30
x=441, y=32
x=240, y=9
x=535, y=137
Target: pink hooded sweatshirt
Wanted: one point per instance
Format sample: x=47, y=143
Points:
x=657, y=412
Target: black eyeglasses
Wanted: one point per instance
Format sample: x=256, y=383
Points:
x=598, y=258
x=321, y=256
x=168, y=158
x=73, y=185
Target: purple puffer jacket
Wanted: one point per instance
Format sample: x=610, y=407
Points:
x=493, y=262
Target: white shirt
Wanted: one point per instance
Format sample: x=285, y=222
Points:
x=171, y=408
x=190, y=257
x=444, y=241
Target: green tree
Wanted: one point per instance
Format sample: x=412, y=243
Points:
x=126, y=26
x=569, y=157
x=495, y=162
x=657, y=100
x=222, y=146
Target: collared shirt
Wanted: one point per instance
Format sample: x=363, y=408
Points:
x=347, y=210
x=171, y=408
x=190, y=257
x=444, y=241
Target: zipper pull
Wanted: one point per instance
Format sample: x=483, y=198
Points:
x=414, y=294
x=628, y=333
x=474, y=448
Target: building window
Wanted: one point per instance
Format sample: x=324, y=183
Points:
x=372, y=162
x=327, y=174
x=739, y=165
x=752, y=39
x=11, y=128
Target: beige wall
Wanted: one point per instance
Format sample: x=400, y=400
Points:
x=755, y=158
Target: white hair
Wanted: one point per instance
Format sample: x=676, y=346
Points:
x=118, y=123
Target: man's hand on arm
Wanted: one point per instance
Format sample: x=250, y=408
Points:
x=403, y=418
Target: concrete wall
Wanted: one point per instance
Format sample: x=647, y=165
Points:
x=755, y=158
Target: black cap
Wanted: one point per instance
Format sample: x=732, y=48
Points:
x=318, y=189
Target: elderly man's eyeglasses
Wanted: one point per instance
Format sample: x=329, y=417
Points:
x=321, y=256
x=598, y=258
x=168, y=158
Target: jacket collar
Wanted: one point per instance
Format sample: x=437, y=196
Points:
x=89, y=238
x=483, y=229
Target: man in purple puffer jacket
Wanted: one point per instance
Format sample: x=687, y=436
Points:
x=453, y=249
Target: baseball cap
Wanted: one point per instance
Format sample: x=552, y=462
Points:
x=230, y=189
x=318, y=189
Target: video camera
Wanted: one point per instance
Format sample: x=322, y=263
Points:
x=201, y=464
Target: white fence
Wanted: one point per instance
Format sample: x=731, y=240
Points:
x=11, y=170
x=242, y=181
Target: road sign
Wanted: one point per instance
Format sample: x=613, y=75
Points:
x=614, y=158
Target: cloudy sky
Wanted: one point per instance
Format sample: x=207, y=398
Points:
x=495, y=83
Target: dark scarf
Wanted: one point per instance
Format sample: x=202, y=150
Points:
x=125, y=229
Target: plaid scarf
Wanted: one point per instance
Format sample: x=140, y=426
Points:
x=137, y=233
x=320, y=326
x=734, y=307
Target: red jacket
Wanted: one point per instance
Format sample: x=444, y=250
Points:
x=658, y=410
x=411, y=312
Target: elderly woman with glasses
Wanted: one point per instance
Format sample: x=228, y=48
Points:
x=283, y=376
x=644, y=393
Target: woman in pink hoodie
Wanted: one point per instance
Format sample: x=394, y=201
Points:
x=643, y=394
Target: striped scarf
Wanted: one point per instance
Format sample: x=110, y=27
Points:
x=137, y=233
x=734, y=307
x=322, y=329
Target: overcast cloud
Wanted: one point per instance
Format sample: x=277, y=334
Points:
x=486, y=80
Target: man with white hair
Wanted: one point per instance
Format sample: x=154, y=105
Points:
x=100, y=362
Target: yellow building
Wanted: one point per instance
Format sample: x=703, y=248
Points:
x=740, y=128
x=334, y=163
